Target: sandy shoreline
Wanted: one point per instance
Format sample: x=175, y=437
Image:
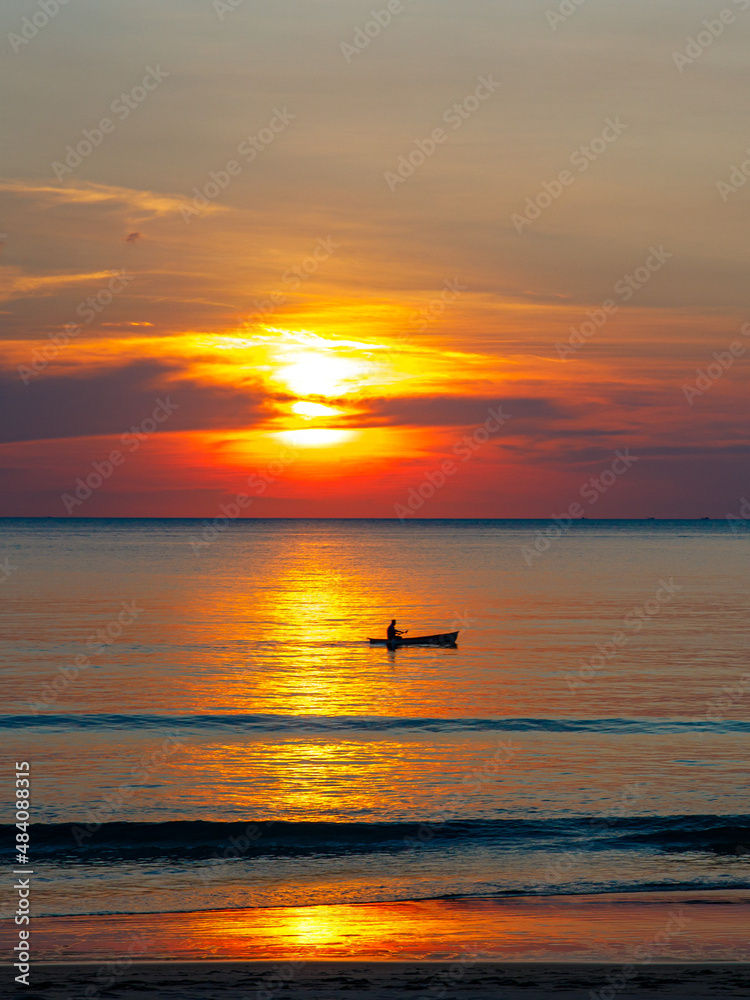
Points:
x=384, y=981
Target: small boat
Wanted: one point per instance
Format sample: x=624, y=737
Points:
x=444, y=639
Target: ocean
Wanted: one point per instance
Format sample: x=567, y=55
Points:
x=209, y=732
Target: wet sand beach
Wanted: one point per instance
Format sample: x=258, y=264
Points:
x=388, y=981
x=625, y=928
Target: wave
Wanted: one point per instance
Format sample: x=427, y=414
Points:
x=200, y=839
x=338, y=723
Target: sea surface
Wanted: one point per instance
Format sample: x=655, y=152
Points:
x=208, y=728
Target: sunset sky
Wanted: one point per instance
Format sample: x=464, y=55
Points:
x=304, y=253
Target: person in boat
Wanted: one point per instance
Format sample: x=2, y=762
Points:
x=392, y=632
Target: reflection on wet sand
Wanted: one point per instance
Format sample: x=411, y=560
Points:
x=640, y=928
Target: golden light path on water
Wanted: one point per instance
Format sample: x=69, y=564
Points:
x=250, y=660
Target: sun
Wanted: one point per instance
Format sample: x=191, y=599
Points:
x=316, y=437
x=314, y=373
x=305, y=364
x=314, y=382
x=310, y=411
